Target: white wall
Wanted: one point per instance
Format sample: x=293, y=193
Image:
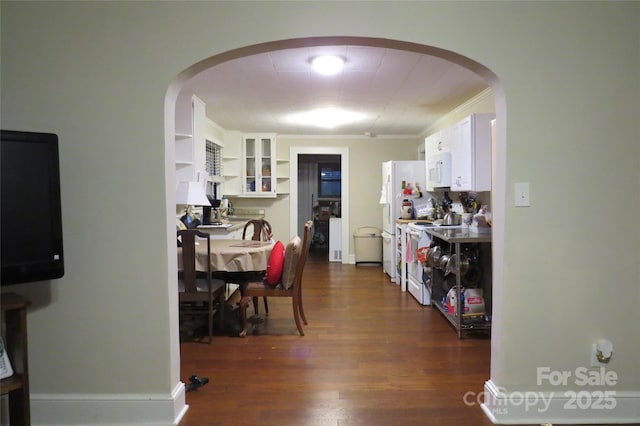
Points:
x=97, y=74
x=483, y=102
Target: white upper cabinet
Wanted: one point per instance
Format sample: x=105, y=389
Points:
x=439, y=142
x=259, y=165
x=471, y=153
x=250, y=166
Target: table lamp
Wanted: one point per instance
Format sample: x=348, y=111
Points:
x=191, y=194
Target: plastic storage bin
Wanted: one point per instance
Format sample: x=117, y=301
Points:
x=368, y=245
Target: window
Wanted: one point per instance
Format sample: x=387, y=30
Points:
x=213, y=167
x=329, y=180
x=213, y=161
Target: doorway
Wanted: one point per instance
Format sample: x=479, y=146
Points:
x=302, y=204
x=499, y=159
x=319, y=199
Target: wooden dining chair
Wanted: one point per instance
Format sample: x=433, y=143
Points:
x=198, y=292
x=260, y=230
x=290, y=284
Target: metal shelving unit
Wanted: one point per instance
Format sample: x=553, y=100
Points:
x=456, y=237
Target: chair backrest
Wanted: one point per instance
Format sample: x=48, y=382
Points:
x=306, y=244
x=261, y=230
x=189, y=273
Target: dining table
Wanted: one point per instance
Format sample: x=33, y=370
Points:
x=232, y=256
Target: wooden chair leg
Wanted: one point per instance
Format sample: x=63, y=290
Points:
x=296, y=315
x=210, y=321
x=255, y=306
x=244, y=302
x=301, y=308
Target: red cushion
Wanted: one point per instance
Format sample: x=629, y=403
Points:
x=276, y=263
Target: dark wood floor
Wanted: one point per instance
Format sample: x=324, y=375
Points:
x=370, y=356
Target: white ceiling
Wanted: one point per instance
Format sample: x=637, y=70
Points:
x=402, y=93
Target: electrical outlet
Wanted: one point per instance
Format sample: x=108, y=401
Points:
x=593, y=362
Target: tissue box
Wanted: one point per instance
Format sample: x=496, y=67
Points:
x=324, y=210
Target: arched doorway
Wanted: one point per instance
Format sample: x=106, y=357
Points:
x=498, y=152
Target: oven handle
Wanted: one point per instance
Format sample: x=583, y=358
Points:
x=415, y=232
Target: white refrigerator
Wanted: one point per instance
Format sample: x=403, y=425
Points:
x=393, y=174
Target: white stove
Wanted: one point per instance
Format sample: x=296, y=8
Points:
x=417, y=277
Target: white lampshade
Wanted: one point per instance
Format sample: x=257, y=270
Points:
x=191, y=194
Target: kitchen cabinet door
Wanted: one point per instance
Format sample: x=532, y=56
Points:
x=471, y=153
x=428, y=146
x=461, y=152
x=259, y=165
x=436, y=145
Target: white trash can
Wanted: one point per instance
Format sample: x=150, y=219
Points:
x=368, y=245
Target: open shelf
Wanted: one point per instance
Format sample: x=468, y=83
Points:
x=469, y=321
x=14, y=309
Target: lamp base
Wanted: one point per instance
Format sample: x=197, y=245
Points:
x=190, y=221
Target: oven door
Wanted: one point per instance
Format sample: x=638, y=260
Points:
x=415, y=271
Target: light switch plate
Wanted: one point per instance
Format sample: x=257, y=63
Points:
x=522, y=194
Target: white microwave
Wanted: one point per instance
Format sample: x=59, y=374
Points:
x=439, y=170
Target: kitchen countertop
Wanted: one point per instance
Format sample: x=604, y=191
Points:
x=217, y=225
x=229, y=224
x=405, y=221
x=224, y=229
x=458, y=235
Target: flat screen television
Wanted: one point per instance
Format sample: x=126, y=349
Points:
x=30, y=208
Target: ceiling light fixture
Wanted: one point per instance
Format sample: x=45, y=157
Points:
x=327, y=65
x=327, y=118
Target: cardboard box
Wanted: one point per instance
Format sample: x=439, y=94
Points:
x=324, y=210
x=473, y=303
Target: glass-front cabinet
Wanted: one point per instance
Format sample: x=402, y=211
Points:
x=259, y=163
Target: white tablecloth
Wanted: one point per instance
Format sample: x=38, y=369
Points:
x=232, y=255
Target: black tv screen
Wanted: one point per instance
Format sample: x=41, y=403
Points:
x=30, y=209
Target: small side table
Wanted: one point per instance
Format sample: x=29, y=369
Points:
x=14, y=309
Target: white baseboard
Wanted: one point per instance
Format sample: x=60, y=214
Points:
x=534, y=407
x=109, y=409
